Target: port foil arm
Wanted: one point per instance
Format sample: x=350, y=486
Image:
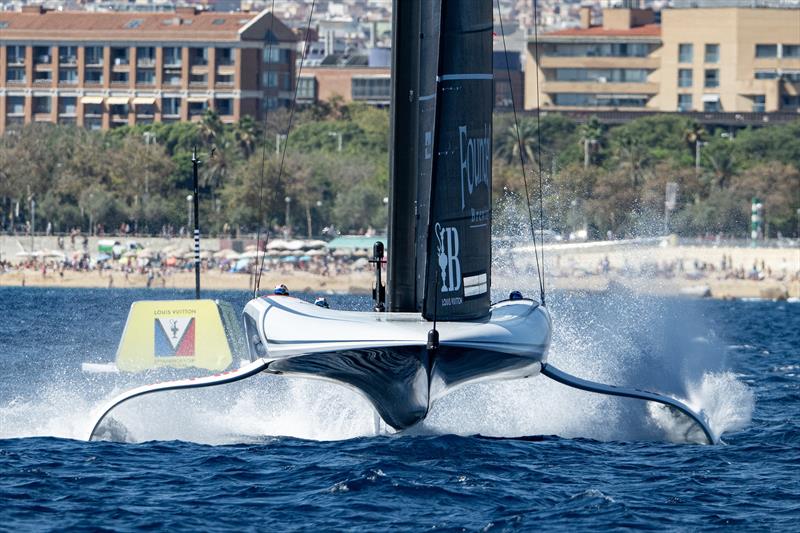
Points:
x=239, y=374
x=572, y=381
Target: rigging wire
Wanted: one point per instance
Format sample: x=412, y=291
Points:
x=286, y=141
x=263, y=162
x=539, y=269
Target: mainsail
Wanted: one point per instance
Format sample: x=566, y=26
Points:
x=440, y=250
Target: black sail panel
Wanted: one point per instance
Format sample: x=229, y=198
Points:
x=458, y=277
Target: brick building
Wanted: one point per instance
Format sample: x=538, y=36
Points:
x=103, y=70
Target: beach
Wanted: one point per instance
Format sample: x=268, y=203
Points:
x=658, y=267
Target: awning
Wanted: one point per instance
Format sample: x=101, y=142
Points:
x=144, y=100
x=711, y=98
x=197, y=99
x=94, y=100
x=118, y=100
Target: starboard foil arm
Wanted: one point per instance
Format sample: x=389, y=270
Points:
x=572, y=381
x=241, y=373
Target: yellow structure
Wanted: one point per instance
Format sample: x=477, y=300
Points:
x=177, y=334
x=740, y=60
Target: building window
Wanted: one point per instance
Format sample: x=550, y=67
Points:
x=224, y=79
x=15, y=75
x=684, y=77
x=198, y=56
x=615, y=75
x=15, y=55
x=93, y=55
x=711, y=78
x=172, y=56
x=67, y=105
x=68, y=55
x=68, y=76
x=119, y=111
x=145, y=76
x=224, y=106
x=766, y=50
x=93, y=123
x=272, y=54
x=766, y=74
x=269, y=103
x=712, y=53
x=684, y=102
x=145, y=110
x=41, y=55
x=15, y=105
x=600, y=100
x=197, y=108
x=270, y=79
x=43, y=76
x=791, y=50
x=685, y=52
x=145, y=56
x=597, y=50
x=224, y=56
x=711, y=105
x=172, y=78
x=119, y=78
x=790, y=102
x=791, y=75
x=759, y=103
x=119, y=56
x=92, y=110
x=372, y=88
x=94, y=76
x=41, y=104
x=171, y=106
x=198, y=79
x=307, y=89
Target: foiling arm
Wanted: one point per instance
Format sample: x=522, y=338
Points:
x=244, y=372
x=590, y=386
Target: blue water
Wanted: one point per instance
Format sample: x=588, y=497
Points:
x=215, y=460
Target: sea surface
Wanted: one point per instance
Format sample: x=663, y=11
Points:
x=271, y=453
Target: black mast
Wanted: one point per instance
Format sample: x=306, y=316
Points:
x=400, y=273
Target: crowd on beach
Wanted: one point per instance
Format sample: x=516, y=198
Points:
x=286, y=257
x=689, y=269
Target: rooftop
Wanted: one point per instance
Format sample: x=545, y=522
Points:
x=647, y=30
x=124, y=26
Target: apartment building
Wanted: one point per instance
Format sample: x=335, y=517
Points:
x=720, y=59
x=104, y=70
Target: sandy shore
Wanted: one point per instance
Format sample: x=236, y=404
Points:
x=568, y=268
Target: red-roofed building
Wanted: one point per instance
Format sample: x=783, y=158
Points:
x=102, y=70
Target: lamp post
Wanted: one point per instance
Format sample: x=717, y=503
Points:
x=338, y=135
x=288, y=201
x=697, y=144
x=33, y=220
x=189, y=200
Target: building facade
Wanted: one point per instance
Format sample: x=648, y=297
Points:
x=732, y=59
x=104, y=70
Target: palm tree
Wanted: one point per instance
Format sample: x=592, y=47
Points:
x=247, y=133
x=510, y=140
x=210, y=126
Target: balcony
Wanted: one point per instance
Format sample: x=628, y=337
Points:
x=595, y=87
x=650, y=63
x=94, y=62
x=145, y=62
x=68, y=61
x=16, y=61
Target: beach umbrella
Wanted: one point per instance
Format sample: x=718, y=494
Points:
x=316, y=253
x=23, y=254
x=305, y=258
x=55, y=254
x=250, y=248
x=295, y=245
x=289, y=259
x=222, y=253
x=360, y=263
x=241, y=264
x=341, y=252
x=276, y=244
x=102, y=257
x=314, y=244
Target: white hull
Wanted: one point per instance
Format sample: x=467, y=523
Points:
x=384, y=355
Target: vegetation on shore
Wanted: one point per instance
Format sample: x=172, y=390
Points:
x=335, y=172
